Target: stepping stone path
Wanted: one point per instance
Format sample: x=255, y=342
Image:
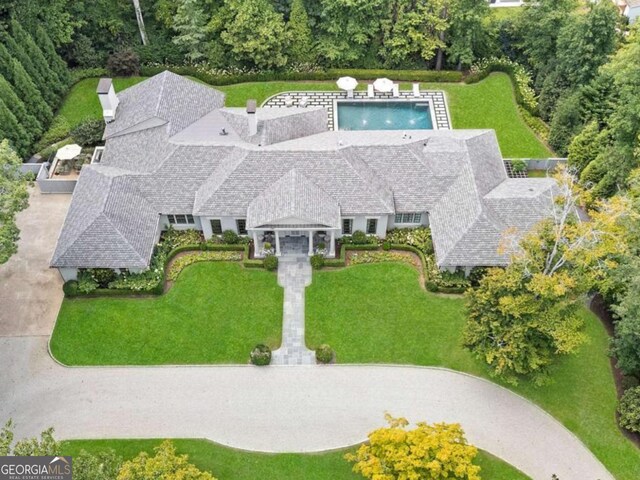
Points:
x=294, y=275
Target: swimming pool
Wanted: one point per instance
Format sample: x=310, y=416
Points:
x=384, y=115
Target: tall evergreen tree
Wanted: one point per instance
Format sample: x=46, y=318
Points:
x=301, y=47
x=13, y=131
x=40, y=81
x=189, y=22
x=38, y=59
x=54, y=60
x=30, y=123
x=28, y=92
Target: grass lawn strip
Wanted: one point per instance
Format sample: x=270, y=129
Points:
x=216, y=312
x=230, y=464
x=360, y=311
x=487, y=104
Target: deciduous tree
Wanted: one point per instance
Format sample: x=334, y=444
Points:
x=13, y=198
x=428, y=452
x=525, y=315
x=166, y=465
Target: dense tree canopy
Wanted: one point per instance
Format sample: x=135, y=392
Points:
x=13, y=198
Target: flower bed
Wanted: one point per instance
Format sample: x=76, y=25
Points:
x=184, y=261
x=377, y=256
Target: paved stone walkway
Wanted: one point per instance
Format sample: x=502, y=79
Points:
x=294, y=275
x=279, y=409
x=327, y=99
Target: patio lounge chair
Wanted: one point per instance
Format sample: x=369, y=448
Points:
x=303, y=102
x=370, y=92
x=349, y=93
x=396, y=90
x=288, y=101
x=416, y=90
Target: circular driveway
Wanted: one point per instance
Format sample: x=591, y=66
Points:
x=279, y=409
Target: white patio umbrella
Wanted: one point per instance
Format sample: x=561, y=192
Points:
x=347, y=83
x=68, y=152
x=383, y=85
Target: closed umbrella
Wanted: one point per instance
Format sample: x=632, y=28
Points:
x=383, y=85
x=69, y=151
x=347, y=83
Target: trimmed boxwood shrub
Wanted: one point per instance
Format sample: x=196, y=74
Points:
x=324, y=354
x=629, y=410
x=230, y=237
x=261, y=355
x=70, y=288
x=270, y=262
x=317, y=262
x=359, y=238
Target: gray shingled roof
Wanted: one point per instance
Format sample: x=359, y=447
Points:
x=110, y=223
x=166, y=97
x=164, y=154
x=293, y=199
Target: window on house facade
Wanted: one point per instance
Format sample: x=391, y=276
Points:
x=408, y=218
x=372, y=226
x=241, y=225
x=347, y=226
x=216, y=226
x=180, y=219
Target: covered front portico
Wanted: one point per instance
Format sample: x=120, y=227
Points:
x=293, y=216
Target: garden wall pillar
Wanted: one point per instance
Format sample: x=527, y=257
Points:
x=332, y=245
x=277, y=243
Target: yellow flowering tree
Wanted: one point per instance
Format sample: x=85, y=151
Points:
x=428, y=452
x=522, y=317
x=165, y=465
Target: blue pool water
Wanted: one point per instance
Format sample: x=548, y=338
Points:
x=384, y=116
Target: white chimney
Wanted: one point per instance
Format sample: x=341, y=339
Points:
x=252, y=116
x=108, y=99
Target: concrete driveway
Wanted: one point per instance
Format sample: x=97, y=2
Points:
x=30, y=291
x=279, y=408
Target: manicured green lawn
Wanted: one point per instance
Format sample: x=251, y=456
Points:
x=215, y=313
x=488, y=104
x=230, y=464
x=379, y=314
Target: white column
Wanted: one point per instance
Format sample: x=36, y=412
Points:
x=277, y=243
x=332, y=245
x=310, y=243
x=256, y=253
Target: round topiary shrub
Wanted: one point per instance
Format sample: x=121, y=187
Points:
x=270, y=262
x=70, y=288
x=261, y=355
x=359, y=238
x=629, y=410
x=317, y=262
x=386, y=246
x=324, y=354
x=230, y=237
x=518, y=165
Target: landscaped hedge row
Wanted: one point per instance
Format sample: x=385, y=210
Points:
x=331, y=74
x=525, y=96
x=341, y=261
x=70, y=287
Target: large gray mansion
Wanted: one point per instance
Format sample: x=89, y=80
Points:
x=175, y=155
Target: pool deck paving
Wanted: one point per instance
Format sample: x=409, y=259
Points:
x=437, y=99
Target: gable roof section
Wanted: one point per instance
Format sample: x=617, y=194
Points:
x=166, y=96
x=109, y=224
x=293, y=196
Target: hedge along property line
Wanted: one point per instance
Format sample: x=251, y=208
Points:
x=330, y=74
x=159, y=288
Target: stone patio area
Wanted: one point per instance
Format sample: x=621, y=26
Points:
x=326, y=99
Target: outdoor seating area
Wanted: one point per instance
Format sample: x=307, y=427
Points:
x=293, y=242
x=68, y=162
